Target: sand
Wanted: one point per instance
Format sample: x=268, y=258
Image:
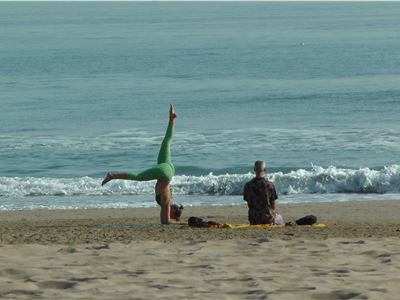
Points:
x=60, y=254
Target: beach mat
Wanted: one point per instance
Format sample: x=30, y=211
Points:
x=126, y=225
x=226, y=226
x=235, y=226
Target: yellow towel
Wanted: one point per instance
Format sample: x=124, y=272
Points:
x=232, y=226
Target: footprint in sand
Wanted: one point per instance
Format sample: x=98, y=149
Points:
x=10, y=272
x=132, y=273
x=205, y=266
x=259, y=241
x=334, y=295
x=378, y=290
x=197, y=242
x=341, y=272
x=68, y=250
x=385, y=258
x=86, y=279
x=59, y=285
x=352, y=242
x=160, y=286
x=99, y=247
x=20, y=293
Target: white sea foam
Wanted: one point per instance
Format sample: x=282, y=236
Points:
x=316, y=180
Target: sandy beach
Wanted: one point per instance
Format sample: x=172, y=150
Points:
x=105, y=105
x=68, y=255
x=356, y=219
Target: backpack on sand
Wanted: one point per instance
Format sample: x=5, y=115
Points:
x=199, y=222
x=307, y=220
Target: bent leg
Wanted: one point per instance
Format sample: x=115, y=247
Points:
x=155, y=173
x=162, y=172
x=111, y=176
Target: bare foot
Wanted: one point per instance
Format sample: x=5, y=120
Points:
x=107, y=179
x=172, y=114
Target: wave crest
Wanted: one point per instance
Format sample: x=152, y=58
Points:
x=316, y=180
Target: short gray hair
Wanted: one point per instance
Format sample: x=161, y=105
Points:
x=259, y=166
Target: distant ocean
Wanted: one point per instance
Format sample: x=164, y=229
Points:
x=311, y=88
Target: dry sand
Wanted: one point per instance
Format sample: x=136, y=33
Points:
x=59, y=254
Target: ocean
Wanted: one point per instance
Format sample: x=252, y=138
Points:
x=311, y=88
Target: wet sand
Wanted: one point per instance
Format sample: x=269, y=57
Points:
x=49, y=254
x=343, y=219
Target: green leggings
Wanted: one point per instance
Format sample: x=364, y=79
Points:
x=164, y=170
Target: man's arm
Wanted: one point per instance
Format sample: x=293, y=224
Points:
x=274, y=197
x=246, y=192
x=273, y=205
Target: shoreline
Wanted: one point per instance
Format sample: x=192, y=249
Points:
x=357, y=219
x=346, y=208
x=83, y=202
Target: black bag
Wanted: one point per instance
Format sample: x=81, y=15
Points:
x=307, y=220
x=199, y=222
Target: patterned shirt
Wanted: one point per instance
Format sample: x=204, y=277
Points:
x=259, y=193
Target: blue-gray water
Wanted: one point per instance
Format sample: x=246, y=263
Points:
x=312, y=88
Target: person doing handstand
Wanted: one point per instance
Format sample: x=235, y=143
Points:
x=163, y=172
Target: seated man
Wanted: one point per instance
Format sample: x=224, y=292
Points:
x=260, y=195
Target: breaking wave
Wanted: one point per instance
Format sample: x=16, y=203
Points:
x=316, y=180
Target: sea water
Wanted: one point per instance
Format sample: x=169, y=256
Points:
x=311, y=88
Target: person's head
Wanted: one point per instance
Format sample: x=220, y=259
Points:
x=260, y=168
x=176, y=211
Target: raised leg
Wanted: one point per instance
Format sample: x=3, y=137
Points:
x=164, y=156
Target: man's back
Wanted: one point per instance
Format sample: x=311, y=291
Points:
x=260, y=195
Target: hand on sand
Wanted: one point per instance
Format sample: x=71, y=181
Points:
x=107, y=179
x=172, y=114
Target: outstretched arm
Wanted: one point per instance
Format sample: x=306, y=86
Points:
x=165, y=214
